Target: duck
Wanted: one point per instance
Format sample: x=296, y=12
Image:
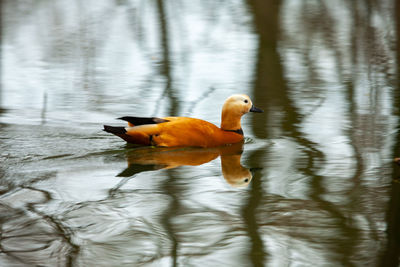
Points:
x=185, y=131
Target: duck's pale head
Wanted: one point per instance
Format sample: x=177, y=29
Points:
x=234, y=108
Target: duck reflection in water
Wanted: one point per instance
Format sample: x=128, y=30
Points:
x=148, y=159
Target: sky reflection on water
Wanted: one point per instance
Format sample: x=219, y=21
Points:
x=321, y=192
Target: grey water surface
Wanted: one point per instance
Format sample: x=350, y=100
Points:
x=314, y=183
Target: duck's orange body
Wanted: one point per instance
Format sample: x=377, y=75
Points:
x=183, y=131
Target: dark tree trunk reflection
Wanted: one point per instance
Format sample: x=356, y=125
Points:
x=391, y=255
x=1, y=53
x=169, y=185
x=165, y=64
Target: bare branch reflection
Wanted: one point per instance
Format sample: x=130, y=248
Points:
x=325, y=72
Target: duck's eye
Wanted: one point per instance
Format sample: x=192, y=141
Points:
x=246, y=101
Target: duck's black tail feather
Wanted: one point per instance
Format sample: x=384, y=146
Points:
x=137, y=168
x=138, y=138
x=114, y=130
x=141, y=121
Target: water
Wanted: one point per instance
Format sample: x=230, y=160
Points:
x=314, y=184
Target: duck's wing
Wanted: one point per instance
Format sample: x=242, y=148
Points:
x=190, y=132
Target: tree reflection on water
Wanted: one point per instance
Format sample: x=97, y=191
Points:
x=325, y=73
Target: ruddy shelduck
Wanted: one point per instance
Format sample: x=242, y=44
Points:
x=187, y=132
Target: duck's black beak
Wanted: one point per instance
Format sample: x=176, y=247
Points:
x=254, y=109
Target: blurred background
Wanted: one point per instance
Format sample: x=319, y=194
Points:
x=325, y=191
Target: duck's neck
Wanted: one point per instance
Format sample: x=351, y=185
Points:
x=230, y=121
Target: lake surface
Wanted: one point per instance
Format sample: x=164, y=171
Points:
x=314, y=183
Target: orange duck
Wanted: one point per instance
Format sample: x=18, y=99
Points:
x=187, y=132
